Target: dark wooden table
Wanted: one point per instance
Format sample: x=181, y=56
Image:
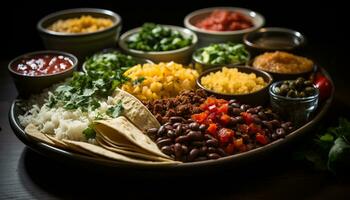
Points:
x=25, y=174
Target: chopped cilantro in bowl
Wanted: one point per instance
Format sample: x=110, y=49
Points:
x=109, y=61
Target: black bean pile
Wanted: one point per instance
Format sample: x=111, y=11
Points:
x=185, y=104
x=186, y=140
x=270, y=122
x=298, y=88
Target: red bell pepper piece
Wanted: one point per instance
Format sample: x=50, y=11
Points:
x=261, y=139
x=225, y=135
x=247, y=117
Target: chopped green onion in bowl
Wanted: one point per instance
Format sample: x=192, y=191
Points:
x=155, y=37
x=221, y=54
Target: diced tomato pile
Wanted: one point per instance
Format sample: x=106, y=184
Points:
x=223, y=125
x=225, y=20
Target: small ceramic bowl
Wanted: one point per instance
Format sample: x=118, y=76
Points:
x=80, y=44
x=207, y=37
x=297, y=109
x=274, y=39
x=27, y=84
x=182, y=55
x=259, y=97
x=278, y=76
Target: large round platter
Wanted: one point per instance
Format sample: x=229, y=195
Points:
x=120, y=167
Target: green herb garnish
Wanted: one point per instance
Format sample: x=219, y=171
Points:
x=83, y=91
x=155, y=37
x=116, y=110
x=104, y=74
x=331, y=150
x=89, y=133
x=111, y=61
x=223, y=53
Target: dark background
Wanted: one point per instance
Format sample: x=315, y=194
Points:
x=25, y=174
x=320, y=21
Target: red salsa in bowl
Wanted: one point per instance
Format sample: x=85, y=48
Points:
x=35, y=71
x=225, y=20
x=42, y=64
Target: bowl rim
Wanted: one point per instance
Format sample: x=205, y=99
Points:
x=73, y=58
x=206, y=72
x=195, y=59
x=105, y=12
x=129, y=33
x=223, y=33
x=308, y=98
x=292, y=32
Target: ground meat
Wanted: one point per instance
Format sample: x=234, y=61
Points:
x=185, y=104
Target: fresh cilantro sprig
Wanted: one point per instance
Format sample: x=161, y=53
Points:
x=84, y=90
x=115, y=111
x=330, y=150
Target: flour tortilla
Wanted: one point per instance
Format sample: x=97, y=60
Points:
x=34, y=132
x=135, y=111
x=122, y=130
x=63, y=145
x=91, y=149
x=57, y=142
x=112, y=155
x=133, y=148
x=131, y=153
x=110, y=143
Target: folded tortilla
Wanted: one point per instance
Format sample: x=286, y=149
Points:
x=132, y=154
x=112, y=155
x=121, y=130
x=135, y=111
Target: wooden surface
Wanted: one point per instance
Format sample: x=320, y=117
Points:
x=25, y=174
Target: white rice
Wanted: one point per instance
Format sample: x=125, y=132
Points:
x=61, y=123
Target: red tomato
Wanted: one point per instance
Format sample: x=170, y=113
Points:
x=212, y=108
x=225, y=119
x=230, y=148
x=210, y=101
x=254, y=128
x=324, y=86
x=225, y=135
x=211, y=117
x=223, y=108
x=221, y=101
x=261, y=139
x=200, y=117
x=212, y=129
x=203, y=106
x=247, y=117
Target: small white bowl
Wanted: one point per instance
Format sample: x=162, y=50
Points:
x=182, y=55
x=207, y=37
